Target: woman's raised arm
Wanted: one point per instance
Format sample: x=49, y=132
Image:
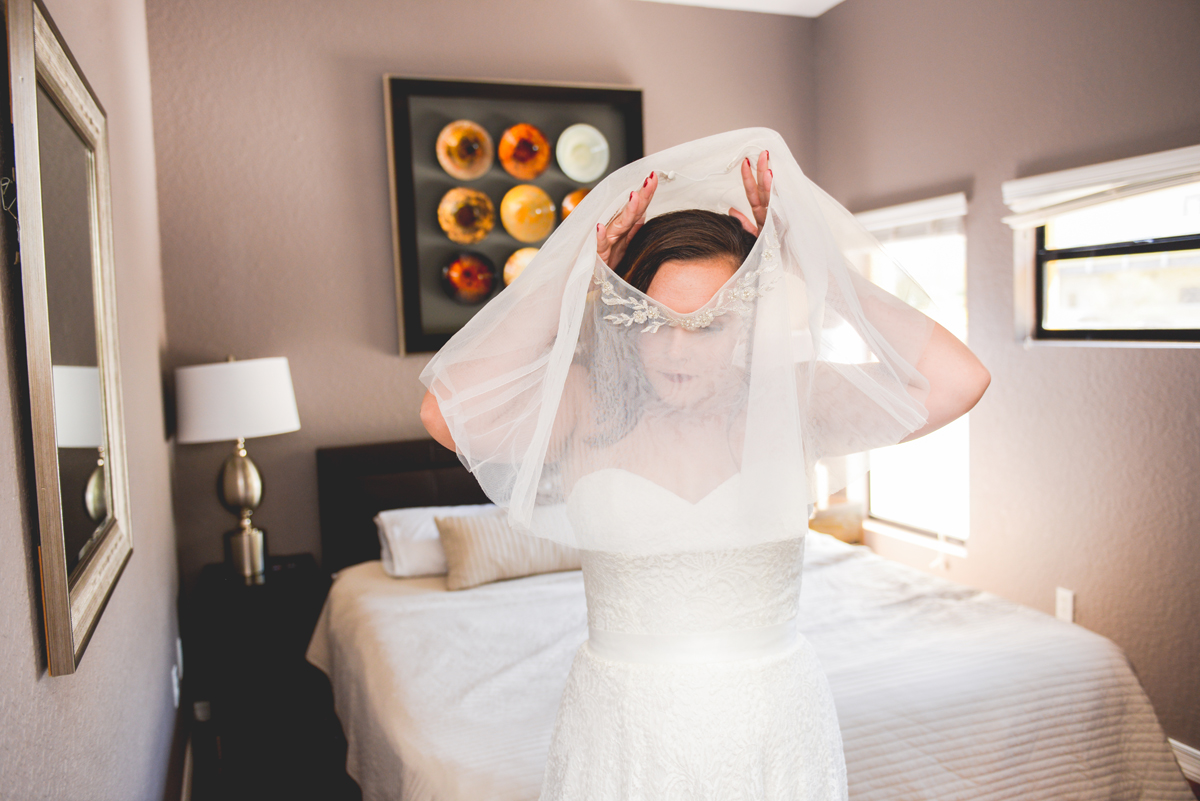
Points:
x=565, y=421
x=957, y=380
x=435, y=424
x=855, y=405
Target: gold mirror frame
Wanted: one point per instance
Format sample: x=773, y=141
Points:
x=71, y=602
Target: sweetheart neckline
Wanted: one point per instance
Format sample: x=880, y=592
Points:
x=653, y=483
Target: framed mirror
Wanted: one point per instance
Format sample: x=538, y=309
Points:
x=60, y=152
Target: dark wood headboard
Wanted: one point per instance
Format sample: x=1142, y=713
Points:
x=356, y=482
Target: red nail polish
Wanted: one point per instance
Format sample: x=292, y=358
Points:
x=645, y=183
x=771, y=173
x=631, y=194
x=768, y=152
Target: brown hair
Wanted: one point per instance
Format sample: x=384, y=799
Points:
x=686, y=235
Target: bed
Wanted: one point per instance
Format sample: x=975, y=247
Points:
x=942, y=692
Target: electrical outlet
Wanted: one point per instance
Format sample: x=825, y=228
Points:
x=175, y=683
x=1064, y=604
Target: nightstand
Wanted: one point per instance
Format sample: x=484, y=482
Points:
x=263, y=725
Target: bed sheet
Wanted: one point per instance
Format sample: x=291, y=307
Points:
x=942, y=692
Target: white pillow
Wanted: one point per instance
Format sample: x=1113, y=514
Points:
x=408, y=538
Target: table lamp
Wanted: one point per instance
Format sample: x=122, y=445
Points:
x=78, y=423
x=237, y=400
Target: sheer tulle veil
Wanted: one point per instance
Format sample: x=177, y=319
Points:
x=801, y=355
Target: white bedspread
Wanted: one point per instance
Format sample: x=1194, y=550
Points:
x=942, y=692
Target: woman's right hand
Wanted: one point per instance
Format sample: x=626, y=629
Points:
x=612, y=240
x=757, y=184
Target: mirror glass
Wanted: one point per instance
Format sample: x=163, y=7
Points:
x=66, y=166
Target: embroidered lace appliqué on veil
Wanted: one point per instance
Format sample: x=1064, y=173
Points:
x=735, y=298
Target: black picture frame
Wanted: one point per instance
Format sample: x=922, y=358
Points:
x=416, y=110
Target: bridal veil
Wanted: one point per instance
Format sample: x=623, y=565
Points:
x=801, y=356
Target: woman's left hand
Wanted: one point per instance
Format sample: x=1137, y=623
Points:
x=612, y=240
x=758, y=192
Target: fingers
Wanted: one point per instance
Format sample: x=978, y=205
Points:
x=758, y=188
x=765, y=176
x=748, y=182
x=746, y=222
x=613, y=239
x=603, y=248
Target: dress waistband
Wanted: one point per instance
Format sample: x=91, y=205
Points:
x=682, y=649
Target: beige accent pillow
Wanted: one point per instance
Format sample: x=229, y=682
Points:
x=482, y=548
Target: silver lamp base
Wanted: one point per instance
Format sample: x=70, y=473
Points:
x=247, y=553
x=95, y=495
x=241, y=490
x=240, y=482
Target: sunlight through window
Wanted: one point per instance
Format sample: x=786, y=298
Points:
x=924, y=484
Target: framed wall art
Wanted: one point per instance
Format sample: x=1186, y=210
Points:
x=481, y=173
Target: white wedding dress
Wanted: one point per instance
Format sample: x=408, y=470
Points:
x=694, y=684
x=576, y=399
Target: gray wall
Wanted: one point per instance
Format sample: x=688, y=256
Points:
x=1084, y=461
x=106, y=731
x=274, y=198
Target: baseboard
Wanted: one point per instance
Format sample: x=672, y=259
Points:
x=1188, y=759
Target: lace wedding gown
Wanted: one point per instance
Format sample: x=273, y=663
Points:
x=695, y=684
x=560, y=393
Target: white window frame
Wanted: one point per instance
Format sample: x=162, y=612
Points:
x=921, y=211
x=934, y=209
x=1035, y=200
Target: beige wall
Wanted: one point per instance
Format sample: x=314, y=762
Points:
x=106, y=731
x=1084, y=461
x=273, y=186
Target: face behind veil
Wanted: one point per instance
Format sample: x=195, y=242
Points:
x=573, y=383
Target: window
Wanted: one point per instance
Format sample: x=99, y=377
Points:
x=921, y=488
x=1109, y=254
x=918, y=491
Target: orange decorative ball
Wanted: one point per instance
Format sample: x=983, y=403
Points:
x=524, y=152
x=466, y=215
x=571, y=201
x=517, y=263
x=527, y=213
x=464, y=150
x=469, y=278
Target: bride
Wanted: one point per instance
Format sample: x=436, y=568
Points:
x=656, y=390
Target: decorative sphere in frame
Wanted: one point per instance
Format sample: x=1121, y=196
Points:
x=469, y=278
x=527, y=213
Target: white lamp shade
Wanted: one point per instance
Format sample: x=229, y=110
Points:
x=228, y=400
x=78, y=419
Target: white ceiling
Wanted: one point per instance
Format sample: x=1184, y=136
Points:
x=795, y=8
